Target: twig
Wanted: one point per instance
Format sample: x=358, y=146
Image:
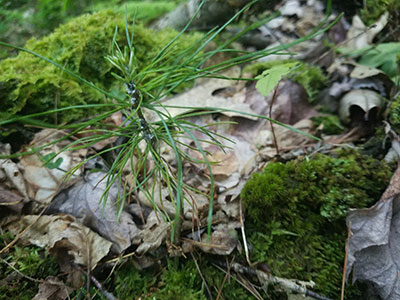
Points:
x=246, y=249
x=266, y=278
x=345, y=262
x=19, y=235
x=22, y=274
x=201, y=275
x=252, y=291
x=225, y=277
x=270, y=121
x=99, y=286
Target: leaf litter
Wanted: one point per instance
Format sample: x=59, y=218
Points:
x=79, y=229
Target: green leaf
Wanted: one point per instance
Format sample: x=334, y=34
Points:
x=383, y=56
x=282, y=232
x=52, y=164
x=270, y=78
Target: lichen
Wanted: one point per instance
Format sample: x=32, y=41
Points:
x=310, y=77
x=29, y=84
x=296, y=214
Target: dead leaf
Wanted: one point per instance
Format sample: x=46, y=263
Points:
x=289, y=139
x=222, y=242
x=11, y=172
x=291, y=103
x=224, y=163
x=154, y=234
x=11, y=200
x=373, y=246
x=83, y=202
x=361, y=71
x=360, y=36
x=53, y=289
x=205, y=95
x=63, y=236
x=44, y=183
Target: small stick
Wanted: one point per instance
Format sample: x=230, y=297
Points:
x=270, y=121
x=267, y=278
x=225, y=277
x=19, y=235
x=345, y=262
x=97, y=283
x=201, y=275
x=246, y=249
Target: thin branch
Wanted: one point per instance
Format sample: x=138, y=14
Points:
x=270, y=121
x=99, y=286
x=345, y=262
x=225, y=277
x=201, y=276
x=19, y=235
x=265, y=278
x=246, y=249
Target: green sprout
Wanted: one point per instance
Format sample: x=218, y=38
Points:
x=144, y=139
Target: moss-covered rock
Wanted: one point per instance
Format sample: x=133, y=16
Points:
x=29, y=84
x=296, y=214
x=310, y=77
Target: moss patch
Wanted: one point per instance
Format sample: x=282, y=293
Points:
x=29, y=84
x=330, y=124
x=394, y=114
x=296, y=214
x=31, y=261
x=179, y=279
x=373, y=9
x=310, y=77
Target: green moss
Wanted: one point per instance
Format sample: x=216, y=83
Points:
x=130, y=283
x=31, y=261
x=29, y=84
x=21, y=19
x=296, y=214
x=310, y=77
x=394, y=114
x=373, y=9
x=330, y=124
x=143, y=10
x=179, y=279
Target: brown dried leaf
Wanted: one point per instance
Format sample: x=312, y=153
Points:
x=44, y=183
x=10, y=173
x=63, y=236
x=222, y=242
x=82, y=202
x=360, y=36
x=154, y=233
x=53, y=289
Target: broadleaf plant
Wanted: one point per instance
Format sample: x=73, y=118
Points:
x=269, y=79
x=145, y=89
